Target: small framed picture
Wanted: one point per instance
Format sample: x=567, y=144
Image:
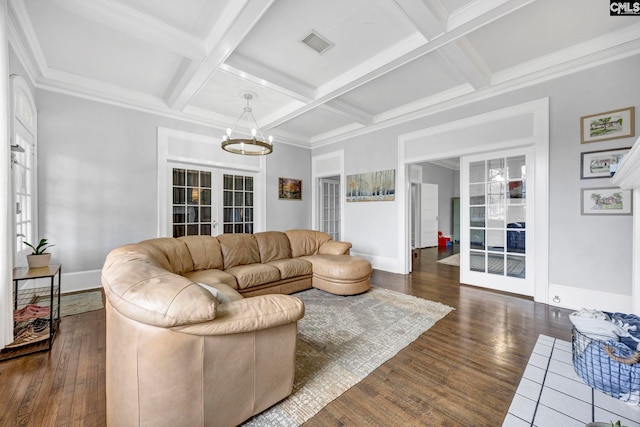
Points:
x=601, y=164
x=289, y=189
x=606, y=201
x=609, y=125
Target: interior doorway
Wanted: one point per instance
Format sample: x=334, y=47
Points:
x=329, y=206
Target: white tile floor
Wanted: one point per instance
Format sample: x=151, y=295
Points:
x=550, y=393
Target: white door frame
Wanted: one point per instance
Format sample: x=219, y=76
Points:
x=517, y=126
x=322, y=166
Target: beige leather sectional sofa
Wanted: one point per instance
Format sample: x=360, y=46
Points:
x=200, y=331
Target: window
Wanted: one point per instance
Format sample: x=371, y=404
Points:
x=192, y=202
x=237, y=204
x=23, y=165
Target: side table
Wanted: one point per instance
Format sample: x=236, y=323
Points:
x=31, y=320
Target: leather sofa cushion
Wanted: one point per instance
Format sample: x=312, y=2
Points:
x=305, y=242
x=205, y=252
x=175, y=251
x=292, y=267
x=140, y=289
x=273, y=245
x=251, y=275
x=332, y=247
x=238, y=249
x=211, y=277
x=343, y=267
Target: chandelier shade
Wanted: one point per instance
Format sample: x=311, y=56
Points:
x=255, y=145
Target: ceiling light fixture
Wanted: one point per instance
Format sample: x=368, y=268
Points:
x=254, y=146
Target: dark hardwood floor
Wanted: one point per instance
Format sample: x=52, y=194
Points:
x=463, y=371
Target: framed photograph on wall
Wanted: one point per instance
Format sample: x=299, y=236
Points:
x=289, y=189
x=606, y=201
x=608, y=125
x=601, y=164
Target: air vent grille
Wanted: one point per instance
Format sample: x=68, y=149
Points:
x=316, y=42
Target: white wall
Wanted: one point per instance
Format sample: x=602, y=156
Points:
x=586, y=253
x=288, y=162
x=97, y=181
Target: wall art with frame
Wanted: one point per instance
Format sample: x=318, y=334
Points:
x=289, y=189
x=602, y=163
x=608, y=125
x=606, y=201
x=379, y=186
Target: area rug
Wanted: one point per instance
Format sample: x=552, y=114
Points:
x=450, y=260
x=341, y=340
x=551, y=394
x=76, y=303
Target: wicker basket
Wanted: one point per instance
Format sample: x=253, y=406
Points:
x=608, y=366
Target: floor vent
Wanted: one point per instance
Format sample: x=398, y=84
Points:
x=316, y=42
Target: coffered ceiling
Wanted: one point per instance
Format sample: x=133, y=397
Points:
x=389, y=61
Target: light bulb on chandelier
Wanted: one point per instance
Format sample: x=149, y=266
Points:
x=254, y=146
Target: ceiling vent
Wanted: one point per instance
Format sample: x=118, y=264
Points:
x=316, y=42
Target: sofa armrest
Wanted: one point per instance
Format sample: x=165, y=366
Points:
x=333, y=247
x=249, y=315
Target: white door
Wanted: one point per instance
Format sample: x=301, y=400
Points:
x=497, y=202
x=428, y=215
x=194, y=202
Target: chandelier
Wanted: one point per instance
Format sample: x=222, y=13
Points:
x=254, y=146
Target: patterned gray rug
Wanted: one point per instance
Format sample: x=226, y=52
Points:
x=341, y=340
x=76, y=303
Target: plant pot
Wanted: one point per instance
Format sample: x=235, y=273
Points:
x=38, y=261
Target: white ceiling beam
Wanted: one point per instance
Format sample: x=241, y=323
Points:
x=495, y=8
x=379, y=65
x=466, y=60
x=193, y=78
x=248, y=69
x=429, y=18
x=431, y=21
x=136, y=24
x=338, y=106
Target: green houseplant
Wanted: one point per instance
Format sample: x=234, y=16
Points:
x=39, y=258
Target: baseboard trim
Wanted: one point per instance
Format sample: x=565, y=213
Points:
x=576, y=298
x=81, y=281
x=381, y=263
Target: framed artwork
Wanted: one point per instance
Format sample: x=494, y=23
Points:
x=377, y=186
x=289, y=189
x=609, y=125
x=601, y=164
x=606, y=201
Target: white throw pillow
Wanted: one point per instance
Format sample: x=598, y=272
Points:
x=222, y=298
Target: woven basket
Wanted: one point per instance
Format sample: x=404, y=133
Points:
x=608, y=366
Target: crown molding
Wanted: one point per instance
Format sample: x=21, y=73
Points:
x=23, y=22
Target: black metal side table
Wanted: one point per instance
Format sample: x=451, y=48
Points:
x=31, y=320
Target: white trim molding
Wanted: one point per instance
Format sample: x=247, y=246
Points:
x=318, y=172
x=521, y=125
x=576, y=298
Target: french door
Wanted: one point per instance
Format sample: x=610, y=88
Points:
x=497, y=207
x=201, y=196
x=329, y=212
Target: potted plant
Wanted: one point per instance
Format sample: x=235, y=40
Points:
x=39, y=258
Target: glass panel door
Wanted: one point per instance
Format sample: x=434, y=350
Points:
x=330, y=207
x=193, y=210
x=496, y=221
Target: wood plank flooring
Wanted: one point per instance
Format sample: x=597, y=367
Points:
x=463, y=371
